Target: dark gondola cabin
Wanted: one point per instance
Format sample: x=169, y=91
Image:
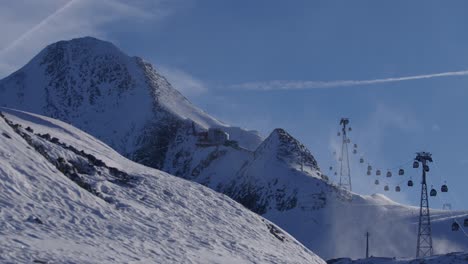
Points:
x=397, y=189
x=415, y=164
x=401, y=172
x=361, y=160
x=444, y=188
x=426, y=168
x=376, y=182
x=410, y=183
x=354, y=151
x=386, y=188
x=389, y=174
x=433, y=192
x=455, y=226
x=378, y=172
x=369, y=173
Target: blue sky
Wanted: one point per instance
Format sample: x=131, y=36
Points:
x=218, y=53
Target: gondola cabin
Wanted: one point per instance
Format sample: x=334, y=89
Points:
x=426, y=168
x=361, y=160
x=444, y=188
x=433, y=192
x=376, y=182
x=415, y=164
x=401, y=172
x=397, y=189
x=455, y=226
x=389, y=174
x=410, y=183
x=378, y=172
x=386, y=188
x=369, y=173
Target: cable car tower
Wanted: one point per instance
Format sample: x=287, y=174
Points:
x=424, y=247
x=345, y=171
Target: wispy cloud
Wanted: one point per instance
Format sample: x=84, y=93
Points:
x=304, y=85
x=35, y=28
x=29, y=26
x=182, y=81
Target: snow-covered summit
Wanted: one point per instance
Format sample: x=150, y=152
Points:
x=122, y=100
x=284, y=147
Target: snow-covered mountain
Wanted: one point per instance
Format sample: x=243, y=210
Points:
x=127, y=104
x=120, y=99
x=66, y=197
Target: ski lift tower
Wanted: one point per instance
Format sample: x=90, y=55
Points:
x=424, y=247
x=345, y=171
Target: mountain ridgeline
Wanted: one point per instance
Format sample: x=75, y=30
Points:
x=126, y=103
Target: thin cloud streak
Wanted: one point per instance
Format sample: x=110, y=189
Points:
x=67, y=20
x=36, y=27
x=305, y=85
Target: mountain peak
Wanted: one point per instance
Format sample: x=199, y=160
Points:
x=85, y=44
x=86, y=40
x=76, y=52
x=286, y=148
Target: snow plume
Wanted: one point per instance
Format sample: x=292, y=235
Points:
x=306, y=85
x=183, y=81
x=371, y=135
x=442, y=246
x=384, y=230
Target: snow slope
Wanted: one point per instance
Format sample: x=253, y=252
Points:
x=68, y=198
x=453, y=258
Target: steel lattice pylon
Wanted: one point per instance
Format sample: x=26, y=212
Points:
x=345, y=171
x=424, y=246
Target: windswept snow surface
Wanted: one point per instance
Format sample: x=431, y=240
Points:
x=452, y=258
x=68, y=198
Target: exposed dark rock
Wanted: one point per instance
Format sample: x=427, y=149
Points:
x=6, y=135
